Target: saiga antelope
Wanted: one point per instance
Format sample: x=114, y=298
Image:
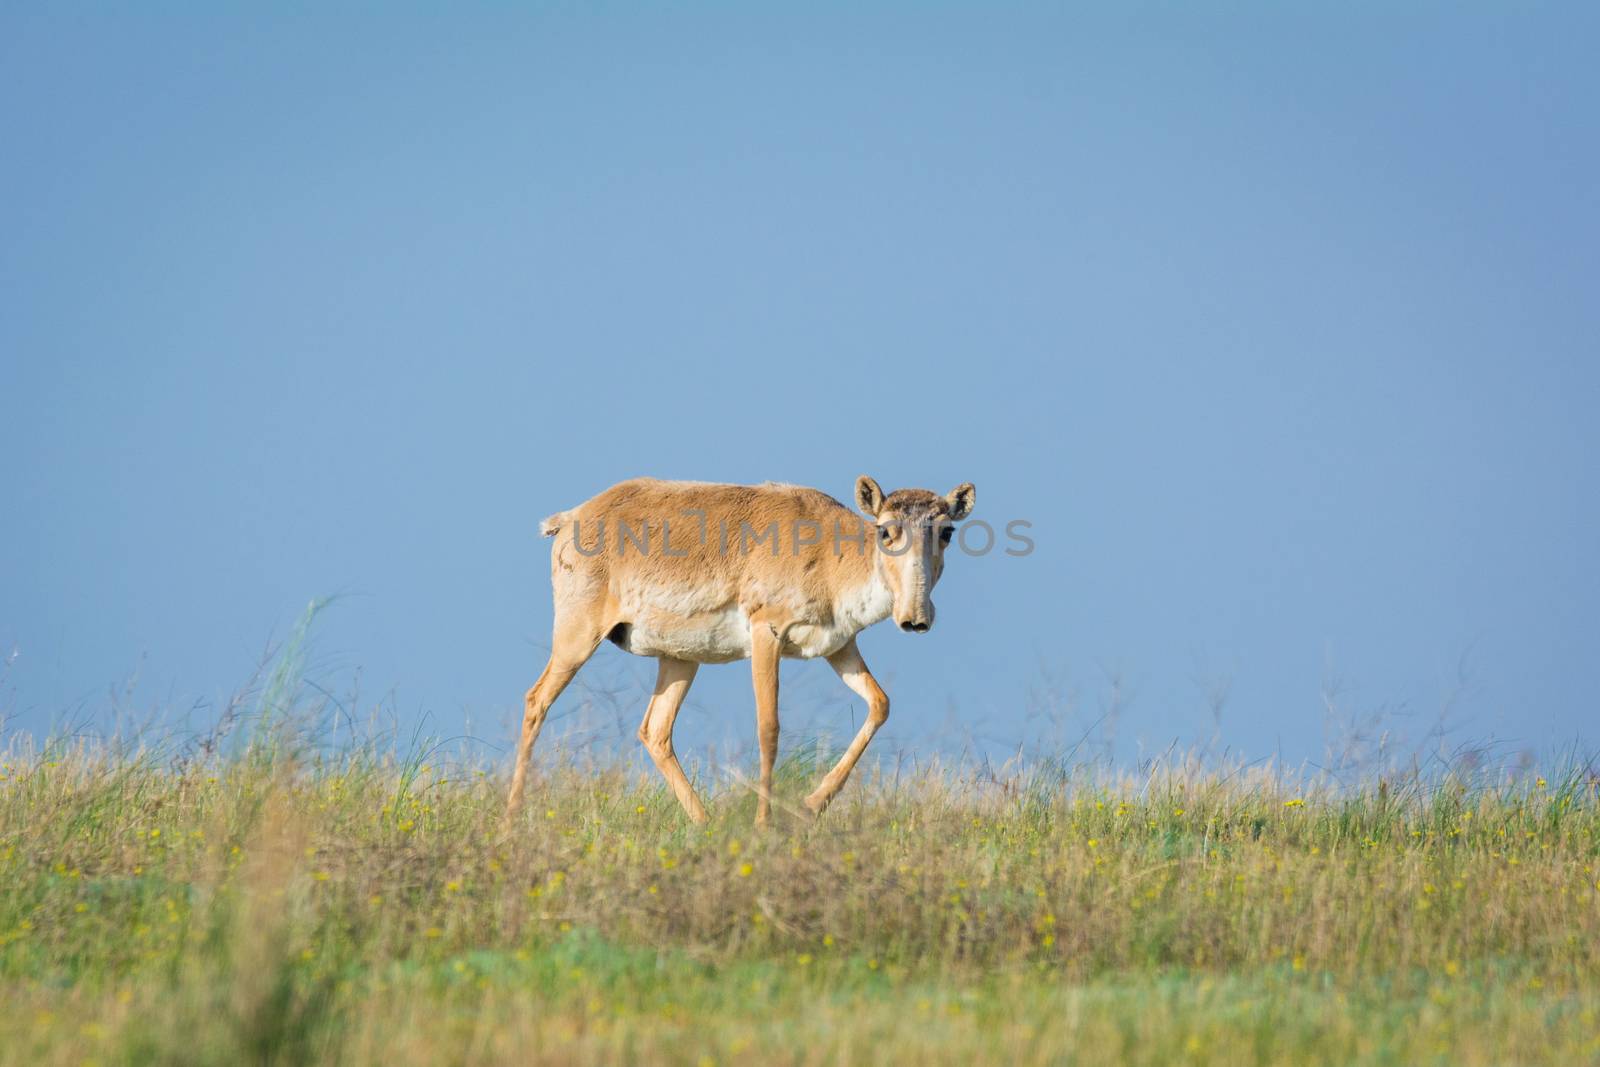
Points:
x=692, y=573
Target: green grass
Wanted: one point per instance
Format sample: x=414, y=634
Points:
x=359, y=911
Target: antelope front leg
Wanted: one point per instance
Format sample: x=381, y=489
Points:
x=853, y=670
x=764, y=652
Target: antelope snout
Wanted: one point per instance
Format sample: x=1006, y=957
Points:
x=915, y=617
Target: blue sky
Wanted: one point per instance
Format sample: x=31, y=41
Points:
x=1278, y=326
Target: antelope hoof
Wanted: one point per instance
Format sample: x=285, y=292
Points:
x=816, y=804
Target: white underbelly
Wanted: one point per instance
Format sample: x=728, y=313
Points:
x=720, y=637
x=710, y=637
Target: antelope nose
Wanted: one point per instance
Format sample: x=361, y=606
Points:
x=914, y=627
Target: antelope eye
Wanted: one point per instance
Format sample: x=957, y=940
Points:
x=945, y=534
x=885, y=534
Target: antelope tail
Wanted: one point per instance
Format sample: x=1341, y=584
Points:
x=552, y=525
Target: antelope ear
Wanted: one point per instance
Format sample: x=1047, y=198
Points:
x=961, y=500
x=869, y=497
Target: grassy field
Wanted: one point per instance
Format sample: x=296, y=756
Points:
x=363, y=911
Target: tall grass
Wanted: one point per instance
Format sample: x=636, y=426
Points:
x=255, y=894
x=354, y=909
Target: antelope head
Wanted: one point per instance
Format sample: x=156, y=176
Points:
x=914, y=529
